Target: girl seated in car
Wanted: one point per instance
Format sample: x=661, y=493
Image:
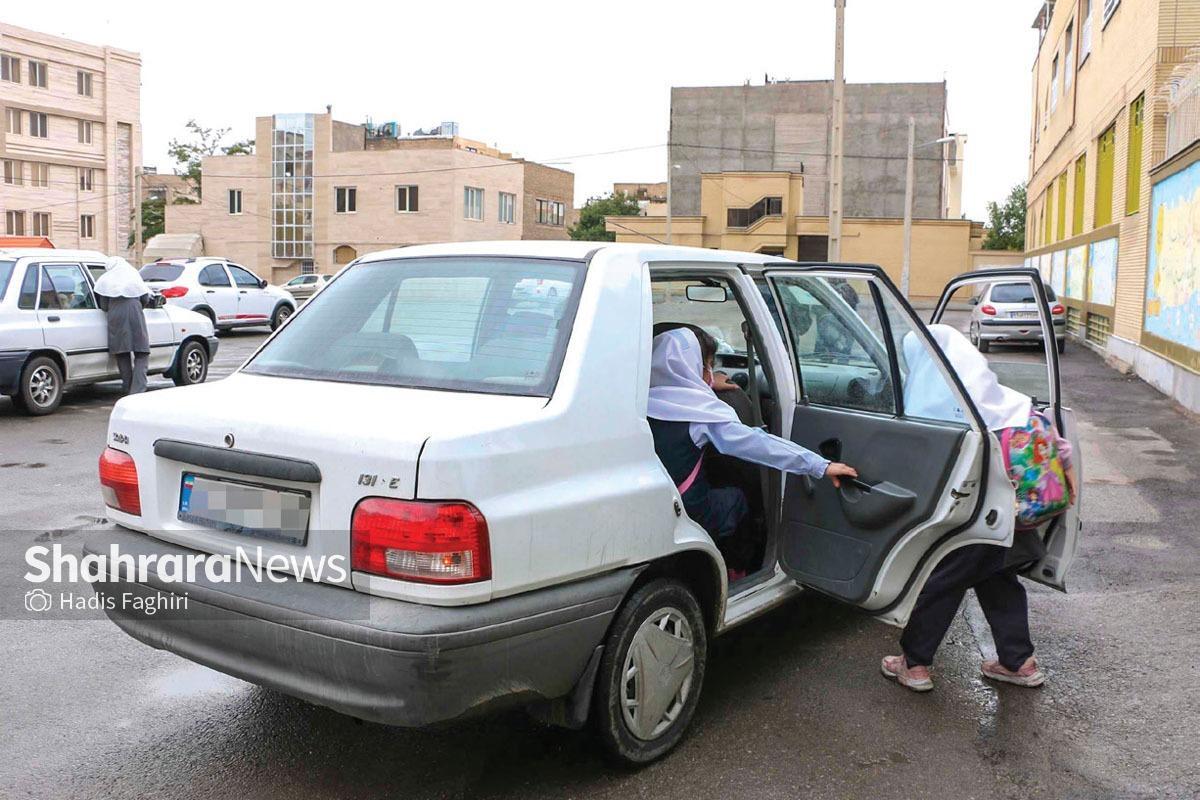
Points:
x=686, y=417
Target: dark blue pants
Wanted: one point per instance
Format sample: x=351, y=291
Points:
x=1001, y=596
x=720, y=511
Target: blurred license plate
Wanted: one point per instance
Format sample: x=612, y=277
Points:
x=280, y=515
x=1024, y=315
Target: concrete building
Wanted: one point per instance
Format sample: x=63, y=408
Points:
x=651, y=197
x=71, y=140
x=776, y=223
x=318, y=193
x=167, y=187
x=1112, y=183
x=785, y=127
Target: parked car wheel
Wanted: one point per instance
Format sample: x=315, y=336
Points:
x=41, y=386
x=282, y=312
x=984, y=345
x=650, y=677
x=208, y=312
x=191, y=365
x=1062, y=346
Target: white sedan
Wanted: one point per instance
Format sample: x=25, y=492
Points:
x=54, y=335
x=230, y=295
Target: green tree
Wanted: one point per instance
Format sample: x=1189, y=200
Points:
x=199, y=142
x=1006, y=223
x=591, y=217
x=153, y=219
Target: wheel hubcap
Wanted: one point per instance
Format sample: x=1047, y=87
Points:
x=42, y=386
x=658, y=674
x=194, y=366
x=284, y=313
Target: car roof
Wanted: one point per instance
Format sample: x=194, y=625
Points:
x=48, y=252
x=569, y=250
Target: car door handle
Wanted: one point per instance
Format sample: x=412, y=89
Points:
x=243, y=291
x=52, y=319
x=210, y=291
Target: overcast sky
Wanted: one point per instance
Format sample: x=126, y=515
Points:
x=550, y=81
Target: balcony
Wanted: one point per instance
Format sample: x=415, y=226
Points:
x=749, y=217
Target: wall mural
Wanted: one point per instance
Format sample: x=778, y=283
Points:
x=1102, y=272
x=1172, y=284
x=1058, y=271
x=1076, y=272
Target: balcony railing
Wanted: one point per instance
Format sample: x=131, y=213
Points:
x=746, y=217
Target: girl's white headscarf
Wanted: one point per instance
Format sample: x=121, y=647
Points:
x=120, y=279
x=926, y=393
x=678, y=392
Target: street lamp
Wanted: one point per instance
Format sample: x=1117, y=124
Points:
x=908, y=200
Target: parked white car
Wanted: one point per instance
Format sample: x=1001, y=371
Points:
x=481, y=520
x=53, y=334
x=228, y=294
x=303, y=287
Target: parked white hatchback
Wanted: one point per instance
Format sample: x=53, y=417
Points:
x=228, y=294
x=480, y=518
x=53, y=334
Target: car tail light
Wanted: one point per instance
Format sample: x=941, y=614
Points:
x=1058, y=310
x=119, y=482
x=174, y=291
x=422, y=541
x=989, y=310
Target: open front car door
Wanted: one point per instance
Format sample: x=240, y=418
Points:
x=1018, y=298
x=875, y=392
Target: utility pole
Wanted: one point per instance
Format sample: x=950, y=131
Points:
x=908, y=203
x=137, y=217
x=835, y=148
x=670, y=175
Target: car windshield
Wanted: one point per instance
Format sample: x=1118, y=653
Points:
x=6, y=270
x=1017, y=293
x=161, y=273
x=461, y=323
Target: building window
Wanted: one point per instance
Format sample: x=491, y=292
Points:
x=1110, y=6
x=87, y=226
x=37, y=124
x=550, y=212
x=41, y=223
x=1077, y=208
x=346, y=199
x=12, y=118
x=1048, y=215
x=472, y=203
x=1085, y=32
x=85, y=132
x=12, y=172
x=39, y=175
x=14, y=223
x=10, y=68
x=1069, y=61
x=292, y=186
x=407, y=198
x=87, y=179
x=235, y=201
x=1133, y=164
x=1062, y=207
x=37, y=74
x=1105, y=151
x=508, y=206
x=83, y=83
x=1054, y=84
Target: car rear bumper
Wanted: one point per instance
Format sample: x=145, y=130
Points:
x=11, y=362
x=375, y=658
x=1017, y=330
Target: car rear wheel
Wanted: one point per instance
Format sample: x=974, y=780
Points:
x=282, y=312
x=651, y=674
x=191, y=365
x=984, y=345
x=1062, y=346
x=41, y=387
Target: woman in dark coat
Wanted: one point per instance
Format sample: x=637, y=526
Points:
x=123, y=294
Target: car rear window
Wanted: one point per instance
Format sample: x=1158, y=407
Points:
x=6, y=271
x=161, y=273
x=1017, y=293
x=461, y=323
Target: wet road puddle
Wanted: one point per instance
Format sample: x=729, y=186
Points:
x=194, y=681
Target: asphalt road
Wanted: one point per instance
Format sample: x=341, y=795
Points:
x=793, y=704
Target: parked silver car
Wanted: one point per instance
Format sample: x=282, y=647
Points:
x=1007, y=313
x=303, y=287
x=53, y=334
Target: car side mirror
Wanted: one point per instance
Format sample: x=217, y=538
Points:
x=262, y=284
x=699, y=293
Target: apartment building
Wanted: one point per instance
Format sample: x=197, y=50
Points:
x=317, y=193
x=71, y=140
x=1110, y=200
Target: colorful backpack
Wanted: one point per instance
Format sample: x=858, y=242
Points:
x=1037, y=471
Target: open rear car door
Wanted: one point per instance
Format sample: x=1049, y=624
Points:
x=875, y=392
x=1033, y=371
